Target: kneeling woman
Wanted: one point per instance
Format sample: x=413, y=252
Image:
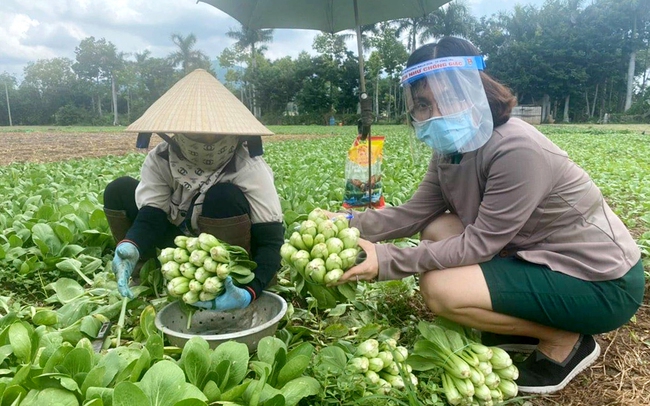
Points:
x=516, y=239
x=209, y=177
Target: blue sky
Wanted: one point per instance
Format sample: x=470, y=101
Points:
x=43, y=29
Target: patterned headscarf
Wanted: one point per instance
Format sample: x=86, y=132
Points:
x=200, y=160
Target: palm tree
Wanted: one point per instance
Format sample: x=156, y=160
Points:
x=455, y=19
x=413, y=27
x=141, y=57
x=186, y=55
x=247, y=38
x=368, y=31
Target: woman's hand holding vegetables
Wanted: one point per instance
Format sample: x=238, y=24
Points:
x=367, y=270
x=232, y=298
x=124, y=261
x=330, y=214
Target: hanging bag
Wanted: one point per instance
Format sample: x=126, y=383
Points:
x=363, y=186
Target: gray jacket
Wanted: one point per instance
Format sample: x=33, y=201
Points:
x=519, y=195
x=253, y=176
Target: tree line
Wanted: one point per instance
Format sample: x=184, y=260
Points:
x=579, y=60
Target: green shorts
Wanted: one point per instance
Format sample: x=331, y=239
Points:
x=536, y=293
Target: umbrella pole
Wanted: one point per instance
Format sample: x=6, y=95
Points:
x=362, y=78
x=363, y=99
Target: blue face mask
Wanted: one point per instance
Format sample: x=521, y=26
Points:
x=447, y=134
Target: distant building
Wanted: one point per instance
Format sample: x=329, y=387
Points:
x=530, y=114
x=291, y=110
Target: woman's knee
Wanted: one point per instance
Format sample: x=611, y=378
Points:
x=119, y=191
x=225, y=200
x=433, y=294
x=444, y=226
x=450, y=290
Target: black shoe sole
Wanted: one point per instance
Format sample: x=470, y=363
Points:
x=584, y=364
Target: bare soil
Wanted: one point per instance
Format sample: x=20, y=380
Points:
x=44, y=147
x=620, y=377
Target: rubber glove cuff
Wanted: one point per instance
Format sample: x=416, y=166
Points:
x=124, y=262
x=233, y=298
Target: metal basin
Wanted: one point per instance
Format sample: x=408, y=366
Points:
x=247, y=326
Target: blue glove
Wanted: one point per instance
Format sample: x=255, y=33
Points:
x=232, y=298
x=124, y=261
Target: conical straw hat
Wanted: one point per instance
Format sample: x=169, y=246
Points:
x=199, y=104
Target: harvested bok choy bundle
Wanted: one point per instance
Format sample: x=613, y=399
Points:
x=319, y=251
x=471, y=373
x=196, y=268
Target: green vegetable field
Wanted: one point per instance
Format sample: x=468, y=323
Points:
x=56, y=288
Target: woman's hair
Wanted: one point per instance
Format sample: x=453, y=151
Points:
x=500, y=98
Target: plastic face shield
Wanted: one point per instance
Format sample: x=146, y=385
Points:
x=447, y=86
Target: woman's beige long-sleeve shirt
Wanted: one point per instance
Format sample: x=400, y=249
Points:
x=520, y=195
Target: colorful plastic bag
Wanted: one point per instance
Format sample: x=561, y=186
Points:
x=357, y=177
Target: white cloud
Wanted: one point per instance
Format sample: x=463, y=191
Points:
x=14, y=33
x=21, y=24
x=40, y=29
x=290, y=43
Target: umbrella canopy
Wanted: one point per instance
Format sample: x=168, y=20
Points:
x=324, y=15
